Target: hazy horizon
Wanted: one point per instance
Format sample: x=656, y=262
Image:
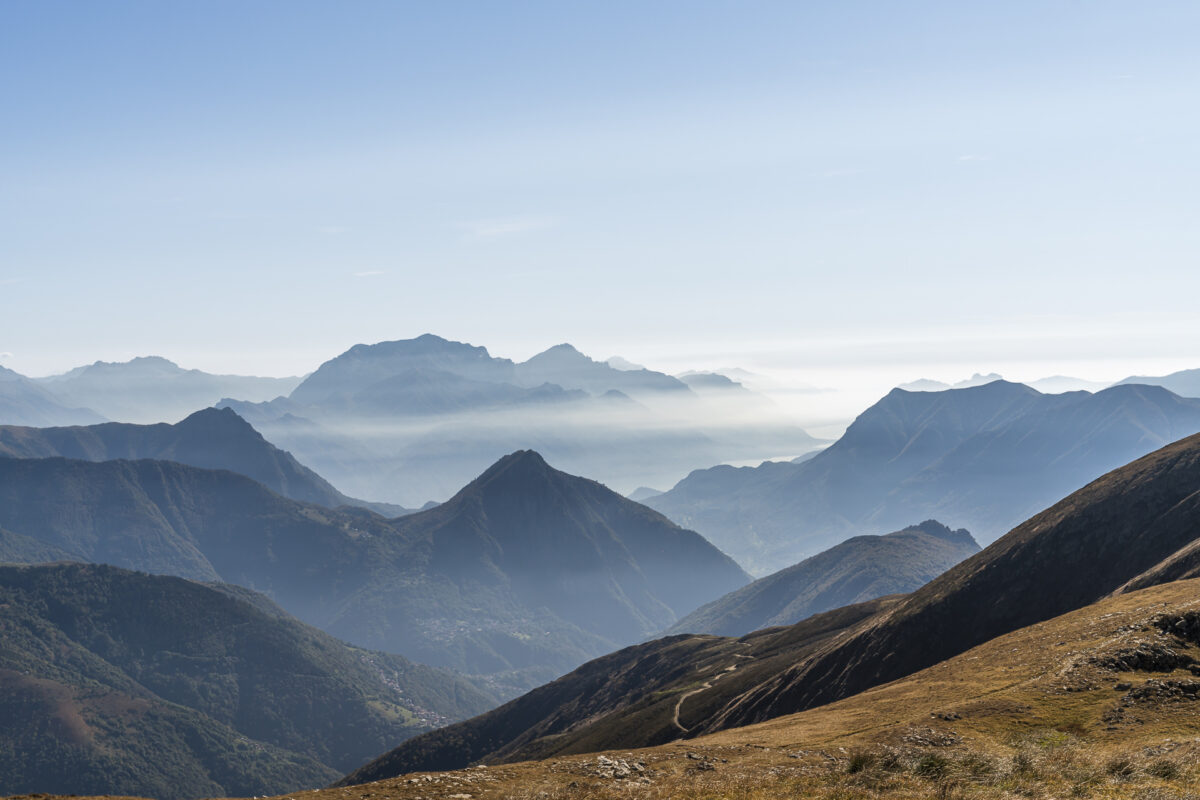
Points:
x=856, y=194
x=812, y=389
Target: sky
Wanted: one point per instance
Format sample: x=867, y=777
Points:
x=840, y=193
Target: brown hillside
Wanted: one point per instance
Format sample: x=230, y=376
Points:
x=1101, y=702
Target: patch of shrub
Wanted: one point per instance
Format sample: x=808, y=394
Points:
x=891, y=760
x=978, y=765
x=1121, y=767
x=1164, y=768
x=860, y=760
x=932, y=766
x=1024, y=766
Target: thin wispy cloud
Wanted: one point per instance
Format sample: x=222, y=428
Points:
x=10, y=281
x=509, y=226
x=332, y=230
x=842, y=173
x=370, y=273
x=6, y=355
x=973, y=157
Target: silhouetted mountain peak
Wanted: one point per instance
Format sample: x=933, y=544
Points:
x=145, y=365
x=934, y=528
x=425, y=345
x=996, y=388
x=366, y=364
x=1123, y=392
x=153, y=361
x=1185, y=383
x=523, y=468
x=562, y=354
x=225, y=421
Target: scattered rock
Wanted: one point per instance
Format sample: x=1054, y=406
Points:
x=931, y=737
x=1185, y=626
x=1163, y=690
x=613, y=768
x=1146, y=657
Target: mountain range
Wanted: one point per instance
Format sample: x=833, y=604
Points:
x=857, y=570
x=984, y=457
x=1185, y=383
x=210, y=438
x=522, y=575
x=117, y=682
x=152, y=389
x=410, y=420
x=23, y=402
x=1111, y=536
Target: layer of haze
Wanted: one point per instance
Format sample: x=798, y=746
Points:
x=856, y=194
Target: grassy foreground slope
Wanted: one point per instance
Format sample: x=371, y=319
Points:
x=1100, y=702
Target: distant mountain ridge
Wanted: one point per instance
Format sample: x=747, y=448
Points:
x=151, y=389
x=1185, y=383
x=412, y=420
x=856, y=571
x=983, y=457
x=524, y=574
x=117, y=682
x=210, y=438
x=23, y=402
x=927, y=385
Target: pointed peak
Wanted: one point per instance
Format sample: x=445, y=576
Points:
x=562, y=353
x=213, y=417
x=523, y=468
x=522, y=460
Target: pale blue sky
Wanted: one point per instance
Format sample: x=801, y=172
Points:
x=918, y=188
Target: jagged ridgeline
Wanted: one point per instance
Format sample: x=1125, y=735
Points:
x=118, y=682
x=526, y=573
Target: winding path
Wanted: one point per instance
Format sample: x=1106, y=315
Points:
x=704, y=687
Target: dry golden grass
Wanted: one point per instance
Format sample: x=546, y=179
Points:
x=1034, y=714
x=1039, y=713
